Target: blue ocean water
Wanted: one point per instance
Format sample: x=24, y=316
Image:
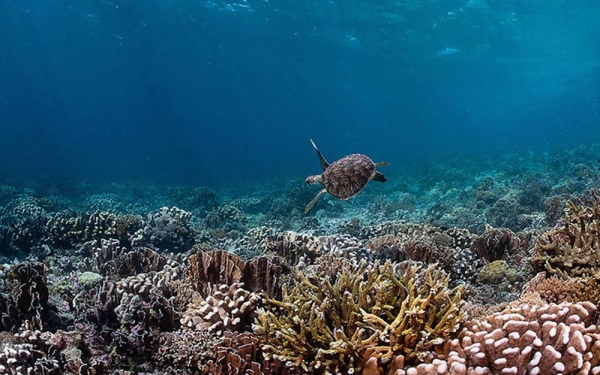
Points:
x=154, y=215
x=215, y=92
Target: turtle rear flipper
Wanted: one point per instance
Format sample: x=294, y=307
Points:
x=324, y=163
x=382, y=164
x=378, y=176
x=310, y=205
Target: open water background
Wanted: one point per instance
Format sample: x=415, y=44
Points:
x=217, y=93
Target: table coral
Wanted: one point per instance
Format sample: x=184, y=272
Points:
x=327, y=325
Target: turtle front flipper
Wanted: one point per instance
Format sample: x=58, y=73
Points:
x=382, y=164
x=324, y=163
x=315, y=199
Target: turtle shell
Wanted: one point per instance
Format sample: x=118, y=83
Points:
x=348, y=176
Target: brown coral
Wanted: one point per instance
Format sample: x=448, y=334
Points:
x=327, y=325
x=547, y=339
x=220, y=267
x=498, y=244
x=573, y=247
x=240, y=353
x=225, y=308
x=292, y=246
x=112, y=259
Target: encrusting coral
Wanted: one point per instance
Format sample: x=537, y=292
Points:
x=572, y=248
x=333, y=324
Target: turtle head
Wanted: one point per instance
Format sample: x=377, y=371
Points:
x=316, y=179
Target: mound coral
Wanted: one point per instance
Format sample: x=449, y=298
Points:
x=334, y=324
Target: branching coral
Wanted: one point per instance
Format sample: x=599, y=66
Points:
x=573, y=247
x=328, y=325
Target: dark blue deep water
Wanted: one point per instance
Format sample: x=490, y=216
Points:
x=213, y=92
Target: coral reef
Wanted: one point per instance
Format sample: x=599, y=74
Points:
x=329, y=325
x=450, y=270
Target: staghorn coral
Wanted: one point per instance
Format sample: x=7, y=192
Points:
x=326, y=325
x=572, y=248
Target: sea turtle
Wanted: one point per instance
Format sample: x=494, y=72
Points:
x=345, y=177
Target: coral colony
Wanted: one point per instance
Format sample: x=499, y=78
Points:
x=449, y=272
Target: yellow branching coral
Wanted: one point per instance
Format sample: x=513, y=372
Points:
x=330, y=325
x=573, y=248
